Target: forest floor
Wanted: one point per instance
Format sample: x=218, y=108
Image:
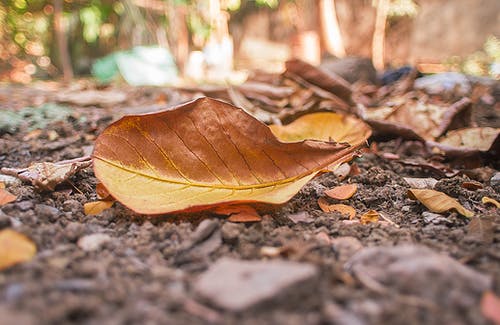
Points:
x=303, y=265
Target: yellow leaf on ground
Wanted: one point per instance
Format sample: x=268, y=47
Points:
x=204, y=153
x=324, y=126
x=6, y=196
x=486, y=200
x=342, y=192
x=370, y=216
x=438, y=202
x=15, y=248
x=93, y=208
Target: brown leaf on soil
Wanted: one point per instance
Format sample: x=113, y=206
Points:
x=6, y=196
x=15, y=248
x=438, y=202
x=324, y=126
x=46, y=176
x=489, y=200
x=102, y=192
x=238, y=213
x=472, y=185
x=414, y=119
x=342, y=192
x=370, y=216
x=490, y=307
x=204, y=153
x=481, y=228
x=343, y=209
x=468, y=141
x=325, y=80
x=96, y=207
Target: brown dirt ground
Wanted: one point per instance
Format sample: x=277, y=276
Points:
x=144, y=274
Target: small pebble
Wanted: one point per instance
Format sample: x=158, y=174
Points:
x=24, y=205
x=231, y=231
x=44, y=211
x=495, y=181
x=93, y=242
x=4, y=220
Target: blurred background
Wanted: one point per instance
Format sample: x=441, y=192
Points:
x=156, y=42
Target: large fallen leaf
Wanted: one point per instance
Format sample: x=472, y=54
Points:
x=15, y=248
x=438, y=202
x=325, y=126
x=204, y=153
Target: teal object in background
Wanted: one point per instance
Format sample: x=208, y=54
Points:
x=140, y=66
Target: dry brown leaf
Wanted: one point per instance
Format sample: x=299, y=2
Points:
x=96, y=207
x=342, y=192
x=467, y=142
x=323, y=204
x=6, y=197
x=487, y=199
x=102, y=192
x=204, y=153
x=343, y=209
x=472, y=185
x=2, y=185
x=238, y=213
x=370, y=216
x=46, y=176
x=481, y=228
x=325, y=80
x=438, y=202
x=490, y=307
x=324, y=126
x=15, y=248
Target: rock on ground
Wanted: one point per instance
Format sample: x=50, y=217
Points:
x=238, y=285
x=409, y=268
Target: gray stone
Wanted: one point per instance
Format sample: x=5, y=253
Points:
x=231, y=231
x=445, y=82
x=93, y=242
x=24, y=205
x=238, y=285
x=44, y=211
x=408, y=268
x=495, y=181
x=345, y=247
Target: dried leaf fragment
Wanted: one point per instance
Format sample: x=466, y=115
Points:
x=15, y=248
x=343, y=209
x=370, y=216
x=46, y=176
x=324, y=126
x=342, y=192
x=487, y=199
x=204, y=153
x=438, y=202
x=239, y=213
x=490, y=307
x=96, y=207
x=6, y=196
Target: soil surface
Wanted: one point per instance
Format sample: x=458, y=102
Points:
x=411, y=267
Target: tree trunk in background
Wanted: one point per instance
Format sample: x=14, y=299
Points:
x=178, y=33
x=379, y=34
x=330, y=30
x=62, y=41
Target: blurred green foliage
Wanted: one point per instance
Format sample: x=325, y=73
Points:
x=94, y=29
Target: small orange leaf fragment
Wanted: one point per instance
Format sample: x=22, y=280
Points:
x=102, y=192
x=490, y=307
x=238, y=213
x=342, y=192
x=472, y=185
x=15, y=248
x=370, y=216
x=6, y=196
x=96, y=207
x=486, y=200
x=343, y=209
x=438, y=202
x=2, y=185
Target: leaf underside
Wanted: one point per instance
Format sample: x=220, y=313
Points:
x=204, y=153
